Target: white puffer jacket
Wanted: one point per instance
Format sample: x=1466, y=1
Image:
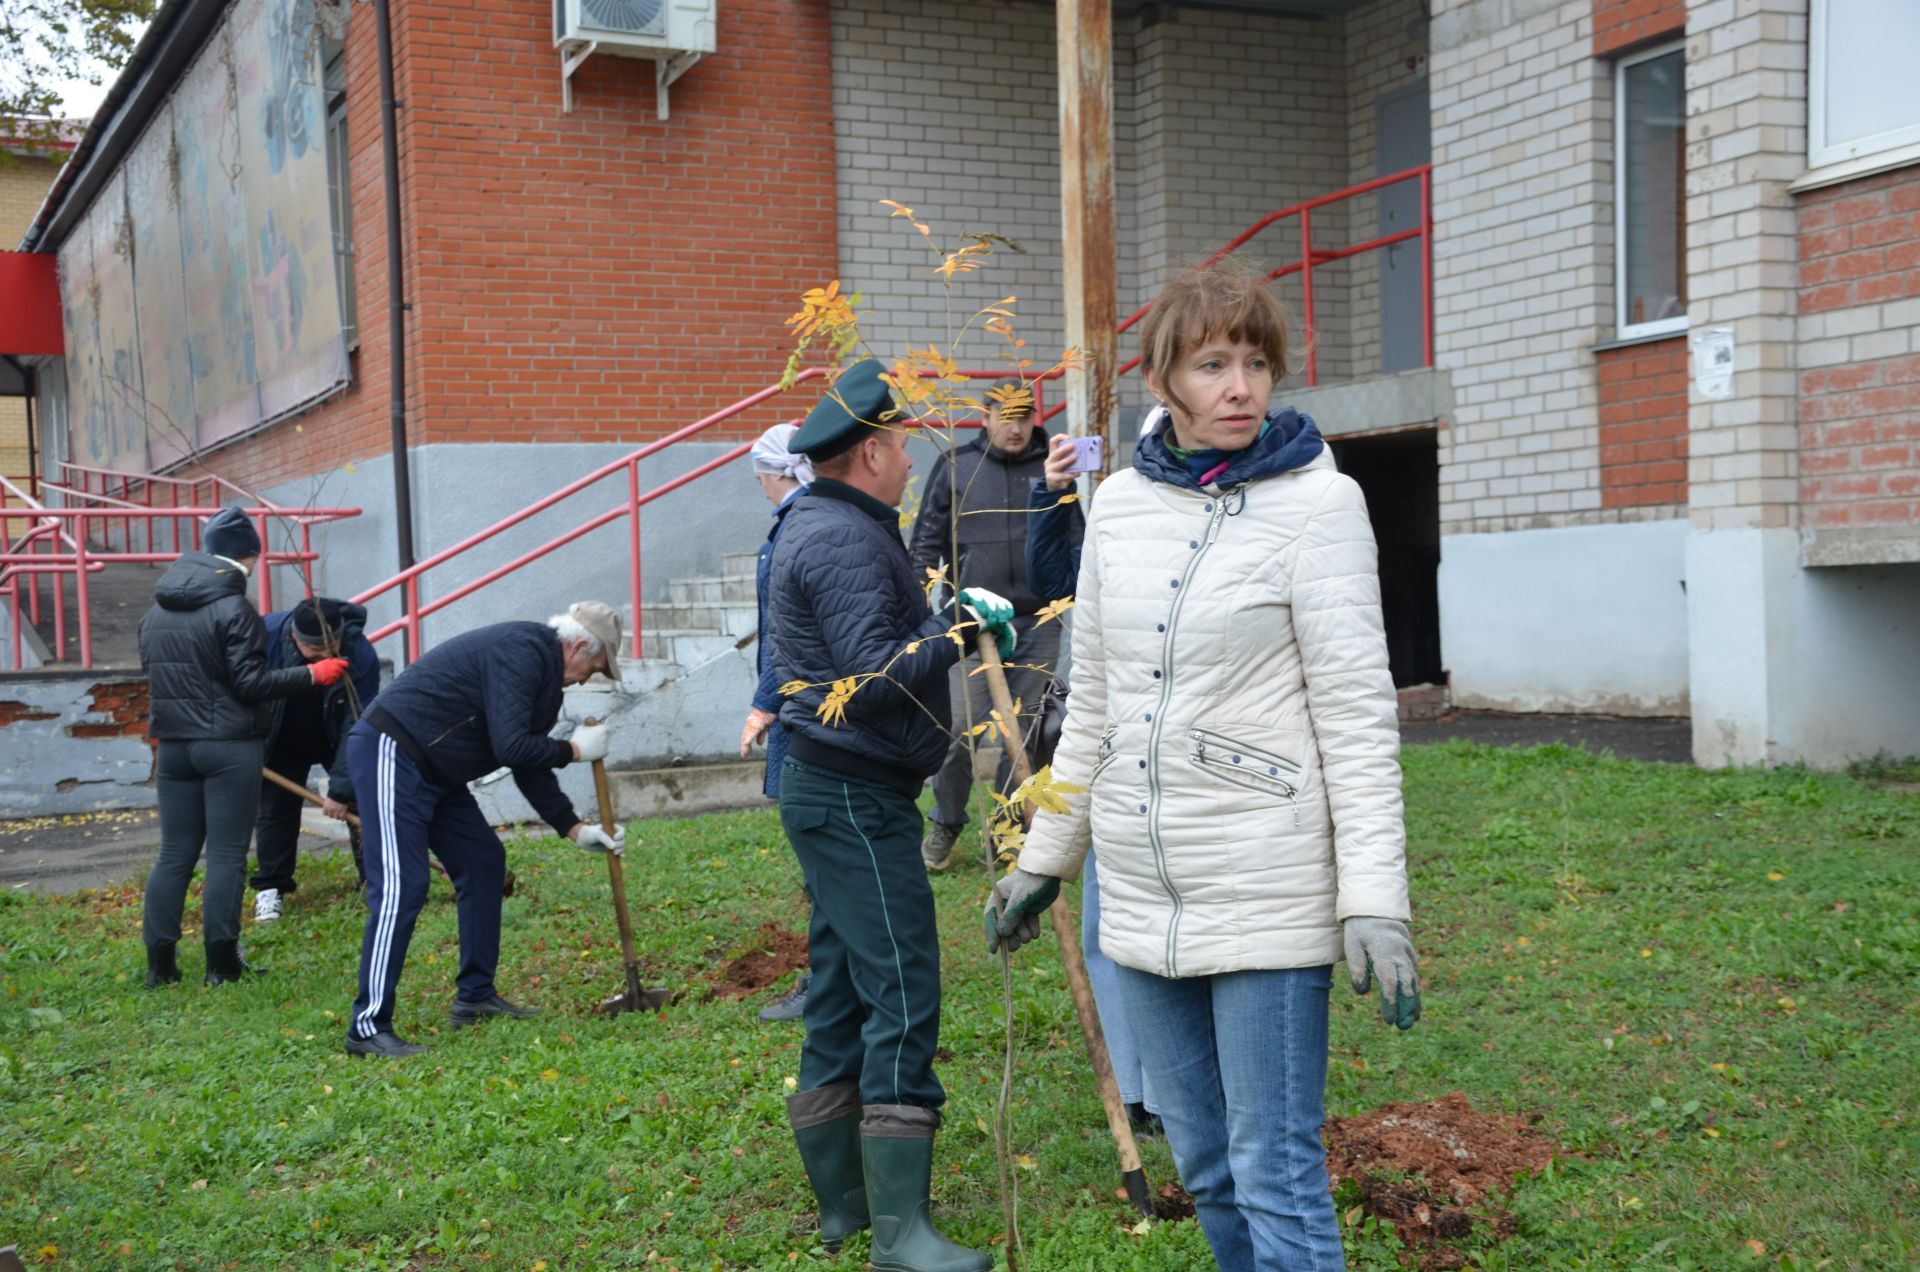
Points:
x=1235, y=723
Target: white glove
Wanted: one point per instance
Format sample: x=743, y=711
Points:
x=1384, y=948
x=595, y=839
x=590, y=742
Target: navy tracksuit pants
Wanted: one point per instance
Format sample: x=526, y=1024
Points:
x=404, y=816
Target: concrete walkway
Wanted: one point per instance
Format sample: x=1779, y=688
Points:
x=101, y=850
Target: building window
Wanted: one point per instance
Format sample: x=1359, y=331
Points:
x=1863, y=99
x=1649, y=191
x=340, y=191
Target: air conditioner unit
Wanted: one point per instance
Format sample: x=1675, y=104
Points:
x=674, y=33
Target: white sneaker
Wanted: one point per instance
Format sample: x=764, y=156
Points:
x=266, y=906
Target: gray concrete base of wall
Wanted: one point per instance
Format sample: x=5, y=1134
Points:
x=1402, y=400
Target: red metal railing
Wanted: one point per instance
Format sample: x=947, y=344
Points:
x=58, y=544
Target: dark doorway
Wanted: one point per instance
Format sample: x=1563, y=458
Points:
x=1400, y=475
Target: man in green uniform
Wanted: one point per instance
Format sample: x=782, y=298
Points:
x=845, y=603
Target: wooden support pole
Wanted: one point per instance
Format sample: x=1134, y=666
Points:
x=1086, y=214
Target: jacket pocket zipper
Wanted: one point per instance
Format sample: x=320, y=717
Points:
x=1244, y=765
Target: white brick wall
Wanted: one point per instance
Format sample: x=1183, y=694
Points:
x=1746, y=139
x=1218, y=119
x=1522, y=268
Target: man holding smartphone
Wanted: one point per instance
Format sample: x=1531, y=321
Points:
x=973, y=519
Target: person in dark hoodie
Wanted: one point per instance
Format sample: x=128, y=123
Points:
x=213, y=691
x=306, y=731
x=484, y=700
x=986, y=546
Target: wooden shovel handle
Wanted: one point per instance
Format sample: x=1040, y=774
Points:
x=616, y=869
x=292, y=787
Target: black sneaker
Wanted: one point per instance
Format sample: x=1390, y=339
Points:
x=793, y=1006
x=390, y=1045
x=464, y=1014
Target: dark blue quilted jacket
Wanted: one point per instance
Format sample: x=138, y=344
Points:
x=845, y=603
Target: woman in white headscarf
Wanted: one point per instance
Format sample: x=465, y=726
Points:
x=783, y=477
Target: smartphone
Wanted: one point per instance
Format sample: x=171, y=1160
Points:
x=1089, y=455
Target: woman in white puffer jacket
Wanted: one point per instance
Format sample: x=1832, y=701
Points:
x=1234, y=725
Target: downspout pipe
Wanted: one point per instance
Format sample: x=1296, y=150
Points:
x=396, y=295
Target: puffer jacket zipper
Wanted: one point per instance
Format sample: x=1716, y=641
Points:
x=1218, y=509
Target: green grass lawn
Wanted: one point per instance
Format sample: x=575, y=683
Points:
x=1707, y=986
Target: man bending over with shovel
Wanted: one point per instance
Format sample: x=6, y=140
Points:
x=482, y=701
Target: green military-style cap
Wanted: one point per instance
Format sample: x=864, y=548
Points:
x=857, y=402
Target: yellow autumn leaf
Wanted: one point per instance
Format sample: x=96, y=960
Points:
x=1052, y=610
x=792, y=687
x=549, y=1075
x=1775, y=876
x=833, y=708
x=1756, y=1248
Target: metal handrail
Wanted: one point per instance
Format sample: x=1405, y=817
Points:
x=38, y=552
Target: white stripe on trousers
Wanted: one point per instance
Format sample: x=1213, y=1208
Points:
x=389, y=890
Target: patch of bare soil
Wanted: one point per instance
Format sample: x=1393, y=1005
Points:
x=766, y=956
x=1432, y=1169
x=1171, y=1203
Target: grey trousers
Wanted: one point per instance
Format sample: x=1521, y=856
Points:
x=1039, y=647
x=209, y=792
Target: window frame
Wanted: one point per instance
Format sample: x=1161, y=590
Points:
x=339, y=158
x=1885, y=150
x=1625, y=330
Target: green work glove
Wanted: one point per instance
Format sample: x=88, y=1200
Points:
x=1015, y=906
x=1384, y=948
x=993, y=612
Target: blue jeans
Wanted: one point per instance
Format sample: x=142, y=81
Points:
x=1238, y=1066
x=1103, y=974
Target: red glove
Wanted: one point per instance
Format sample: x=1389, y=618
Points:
x=328, y=670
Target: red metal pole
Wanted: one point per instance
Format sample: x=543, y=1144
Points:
x=60, y=617
x=412, y=603
x=80, y=601
x=633, y=548
x=1306, y=288
x=306, y=556
x=266, y=569
x=1426, y=261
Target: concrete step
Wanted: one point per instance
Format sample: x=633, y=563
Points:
x=733, y=620
x=747, y=563
x=688, y=790
x=731, y=589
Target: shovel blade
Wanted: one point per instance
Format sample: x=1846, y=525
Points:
x=646, y=1000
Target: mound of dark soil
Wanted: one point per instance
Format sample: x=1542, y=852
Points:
x=766, y=956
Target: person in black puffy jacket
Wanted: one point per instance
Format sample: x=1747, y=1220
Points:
x=211, y=692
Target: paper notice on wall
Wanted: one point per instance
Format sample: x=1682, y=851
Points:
x=1713, y=363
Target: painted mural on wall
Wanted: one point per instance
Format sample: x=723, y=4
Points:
x=199, y=291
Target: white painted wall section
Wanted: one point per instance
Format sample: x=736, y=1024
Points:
x=1580, y=618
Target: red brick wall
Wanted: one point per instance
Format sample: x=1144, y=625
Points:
x=1643, y=424
x=1860, y=420
x=1620, y=24
x=600, y=276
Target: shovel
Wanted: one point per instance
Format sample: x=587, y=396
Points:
x=353, y=819
x=1133, y=1175
x=632, y=998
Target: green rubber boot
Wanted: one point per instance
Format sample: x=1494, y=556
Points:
x=896, y=1142
x=826, y=1126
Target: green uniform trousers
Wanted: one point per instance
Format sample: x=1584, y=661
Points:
x=873, y=1007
